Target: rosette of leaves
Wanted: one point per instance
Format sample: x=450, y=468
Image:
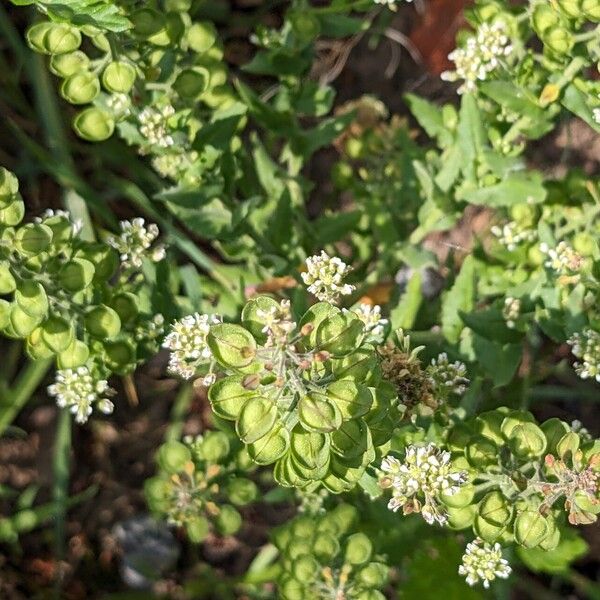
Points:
x=524, y=478
x=324, y=556
x=311, y=402
x=200, y=483
x=63, y=295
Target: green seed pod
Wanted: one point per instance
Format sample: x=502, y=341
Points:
x=74, y=356
x=31, y=298
x=554, y=429
x=487, y=531
x=119, y=355
x=197, y=528
x=5, y=309
x=544, y=18
x=32, y=239
x=352, y=439
x=461, y=518
x=373, y=575
x=305, y=568
x=325, y=547
x=551, y=541
x=103, y=322
x=253, y=315
x=62, y=229
x=256, y=419
x=352, y=400
x=530, y=528
x=61, y=38
x=585, y=244
x=358, y=549
x=360, y=366
x=527, y=441
x=93, y=124
x=76, y=275
x=305, y=25
x=12, y=214
x=241, y=491
x=481, y=452
x=271, y=447
x=571, y=8
x=80, y=88
x=173, y=457
x=201, y=36
x=317, y=413
x=178, y=5
x=495, y=509
x=64, y=65
x=25, y=520
x=9, y=187
x=591, y=9
x=215, y=446
x=514, y=418
x=36, y=35
x=370, y=595
x=584, y=502
x=228, y=520
x=126, y=306
x=232, y=345
x=311, y=320
x=35, y=346
x=23, y=323
x=340, y=334
x=343, y=517
x=464, y=497
x=309, y=449
x=568, y=445
x=157, y=491
x=292, y=589
x=147, y=22
x=489, y=425
x=118, y=77
x=7, y=281
x=192, y=82
x=8, y=533
x=57, y=333
x=227, y=396
x=559, y=40
x=104, y=258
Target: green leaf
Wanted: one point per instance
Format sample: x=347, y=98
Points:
x=576, y=101
x=404, y=314
x=221, y=129
x=570, y=548
x=516, y=189
x=499, y=361
x=470, y=135
x=430, y=118
x=458, y=298
x=490, y=324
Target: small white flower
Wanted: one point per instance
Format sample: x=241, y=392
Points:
x=277, y=321
x=119, y=104
x=511, y=311
x=154, y=125
x=389, y=3
x=79, y=390
x=324, y=277
x=586, y=347
x=188, y=346
x=563, y=259
x=173, y=165
x=481, y=55
x=447, y=376
x=483, y=562
x=370, y=315
x=425, y=473
x=135, y=241
x=510, y=235
x=596, y=113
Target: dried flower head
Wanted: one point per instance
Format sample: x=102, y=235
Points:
x=80, y=391
x=483, y=562
x=418, y=482
x=188, y=346
x=324, y=277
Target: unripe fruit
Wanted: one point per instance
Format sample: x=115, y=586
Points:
x=93, y=125
x=80, y=88
x=173, y=457
x=103, y=322
x=118, y=77
x=64, y=65
x=228, y=520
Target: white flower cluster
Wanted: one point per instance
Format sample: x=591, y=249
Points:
x=76, y=226
x=389, y=3
x=482, y=54
x=370, y=315
x=563, y=259
x=483, y=562
x=447, y=376
x=172, y=165
x=510, y=235
x=324, y=277
x=154, y=125
x=135, y=241
x=511, y=311
x=278, y=322
x=79, y=390
x=150, y=329
x=596, y=114
x=426, y=472
x=586, y=347
x=188, y=346
x=119, y=104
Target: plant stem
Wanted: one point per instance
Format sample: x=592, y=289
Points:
x=60, y=491
x=29, y=379
x=178, y=412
